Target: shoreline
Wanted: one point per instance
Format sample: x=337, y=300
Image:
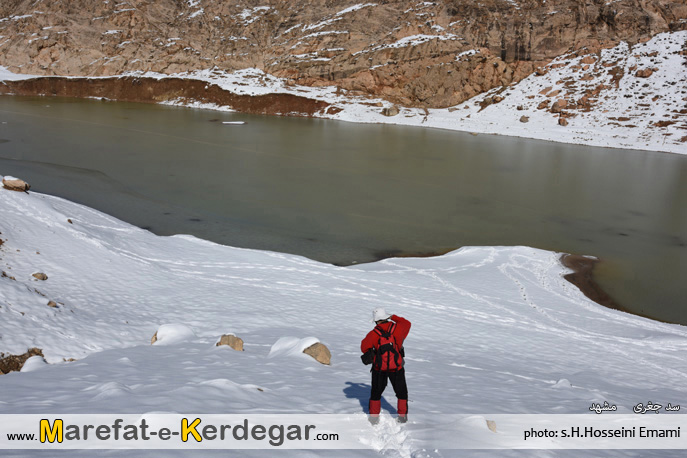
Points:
x=132, y=89
x=582, y=275
x=255, y=92
x=583, y=278
x=196, y=93
x=164, y=91
x=199, y=94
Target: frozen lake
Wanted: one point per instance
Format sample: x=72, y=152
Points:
x=349, y=193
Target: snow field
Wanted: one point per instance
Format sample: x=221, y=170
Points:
x=495, y=329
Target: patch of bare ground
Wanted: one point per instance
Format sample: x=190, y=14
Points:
x=151, y=90
x=583, y=278
x=11, y=363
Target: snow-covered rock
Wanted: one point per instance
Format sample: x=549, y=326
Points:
x=15, y=184
x=171, y=334
x=33, y=363
x=291, y=346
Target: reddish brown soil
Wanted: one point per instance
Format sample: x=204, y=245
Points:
x=583, y=278
x=150, y=90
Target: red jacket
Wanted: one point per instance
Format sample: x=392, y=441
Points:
x=400, y=333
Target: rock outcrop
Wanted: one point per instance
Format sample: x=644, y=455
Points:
x=11, y=363
x=424, y=54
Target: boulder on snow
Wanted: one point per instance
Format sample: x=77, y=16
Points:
x=491, y=424
x=52, y=304
x=559, y=105
x=320, y=352
x=232, y=341
x=562, y=121
x=644, y=73
x=309, y=347
x=169, y=334
x=390, y=111
x=40, y=276
x=15, y=184
x=524, y=119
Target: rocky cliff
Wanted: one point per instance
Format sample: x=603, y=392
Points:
x=423, y=54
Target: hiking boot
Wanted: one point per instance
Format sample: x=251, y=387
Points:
x=402, y=418
x=373, y=419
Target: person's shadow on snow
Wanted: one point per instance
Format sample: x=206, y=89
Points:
x=361, y=392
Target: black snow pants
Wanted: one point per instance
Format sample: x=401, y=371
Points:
x=398, y=382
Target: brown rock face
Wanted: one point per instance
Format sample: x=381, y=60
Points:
x=320, y=352
x=10, y=363
x=426, y=54
x=232, y=341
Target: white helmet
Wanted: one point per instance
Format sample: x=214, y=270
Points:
x=379, y=314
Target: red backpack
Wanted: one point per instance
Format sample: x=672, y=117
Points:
x=388, y=356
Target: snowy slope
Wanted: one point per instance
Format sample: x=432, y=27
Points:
x=495, y=329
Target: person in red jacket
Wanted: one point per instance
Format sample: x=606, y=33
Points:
x=385, y=341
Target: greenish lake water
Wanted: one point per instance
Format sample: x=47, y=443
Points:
x=348, y=193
